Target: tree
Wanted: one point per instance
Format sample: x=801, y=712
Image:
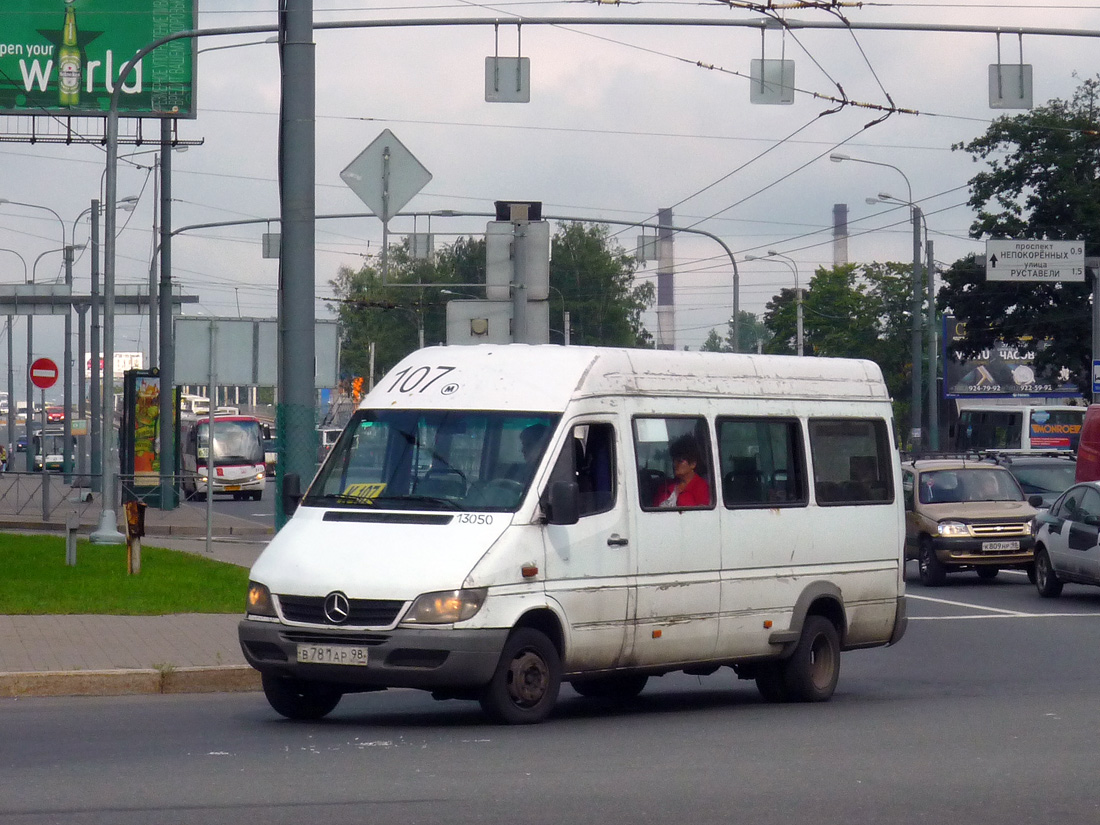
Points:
x=596, y=280
x=391, y=316
x=852, y=311
x=590, y=277
x=752, y=333
x=1043, y=183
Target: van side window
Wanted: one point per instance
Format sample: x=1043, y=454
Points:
x=673, y=463
x=851, y=459
x=589, y=459
x=761, y=462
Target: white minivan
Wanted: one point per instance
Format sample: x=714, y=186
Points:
x=495, y=520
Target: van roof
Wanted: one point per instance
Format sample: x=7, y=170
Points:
x=546, y=377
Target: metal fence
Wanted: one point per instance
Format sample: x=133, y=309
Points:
x=46, y=496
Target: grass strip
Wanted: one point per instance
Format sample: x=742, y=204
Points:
x=36, y=581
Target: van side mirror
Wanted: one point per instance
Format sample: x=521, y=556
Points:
x=563, y=503
x=292, y=492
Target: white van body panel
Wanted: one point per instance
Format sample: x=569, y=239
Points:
x=629, y=589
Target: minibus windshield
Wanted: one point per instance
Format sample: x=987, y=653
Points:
x=433, y=460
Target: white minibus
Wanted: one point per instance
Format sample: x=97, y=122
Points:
x=1023, y=427
x=495, y=520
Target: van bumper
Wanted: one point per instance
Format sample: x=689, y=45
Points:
x=426, y=658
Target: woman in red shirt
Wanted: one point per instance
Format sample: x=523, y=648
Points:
x=687, y=488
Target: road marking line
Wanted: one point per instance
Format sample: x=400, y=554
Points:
x=971, y=606
x=1009, y=616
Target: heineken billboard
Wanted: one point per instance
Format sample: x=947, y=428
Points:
x=65, y=57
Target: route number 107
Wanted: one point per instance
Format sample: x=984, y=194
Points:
x=417, y=380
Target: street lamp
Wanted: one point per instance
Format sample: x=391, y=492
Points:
x=30, y=334
x=92, y=454
x=11, y=373
x=917, y=304
x=790, y=263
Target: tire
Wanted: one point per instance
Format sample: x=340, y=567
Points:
x=1046, y=580
x=932, y=571
x=619, y=688
x=771, y=683
x=987, y=573
x=300, y=700
x=1030, y=570
x=258, y=496
x=811, y=673
x=526, y=682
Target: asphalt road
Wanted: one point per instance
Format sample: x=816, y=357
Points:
x=985, y=713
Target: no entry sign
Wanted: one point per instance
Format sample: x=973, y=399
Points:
x=44, y=373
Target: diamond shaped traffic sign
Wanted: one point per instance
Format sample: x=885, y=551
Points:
x=385, y=176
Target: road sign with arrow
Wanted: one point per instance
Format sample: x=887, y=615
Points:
x=1035, y=260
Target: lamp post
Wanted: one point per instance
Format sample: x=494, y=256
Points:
x=11, y=372
x=790, y=263
x=917, y=303
x=30, y=329
x=89, y=407
x=932, y=442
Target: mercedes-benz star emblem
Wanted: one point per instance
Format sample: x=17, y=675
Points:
x=337, y=608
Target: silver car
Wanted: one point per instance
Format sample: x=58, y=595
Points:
x=1067, y=547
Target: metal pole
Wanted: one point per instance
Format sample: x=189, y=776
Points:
x=168, y=499
x=153, y=310
x=11, y=398
x=30, y=393
x=95, y=404
x=519, y=283
x=107, y=531
x=933, y=368
x=82, y=394
x=67, y=373
x=295, y=425
x=916, y=350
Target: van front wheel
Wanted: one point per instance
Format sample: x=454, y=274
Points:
x=296, y=699
x=525, y=685
x=812, y=671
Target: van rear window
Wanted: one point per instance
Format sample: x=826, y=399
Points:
x=851, y=461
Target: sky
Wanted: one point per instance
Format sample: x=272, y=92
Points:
x=623, y=121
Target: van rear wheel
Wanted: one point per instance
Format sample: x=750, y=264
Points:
x=296, y=699
x=812, y=671
x=526, y=682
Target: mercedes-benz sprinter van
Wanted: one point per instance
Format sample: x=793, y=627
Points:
x=495, y=520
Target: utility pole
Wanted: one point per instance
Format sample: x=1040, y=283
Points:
x=294, y=412
x=916, y=350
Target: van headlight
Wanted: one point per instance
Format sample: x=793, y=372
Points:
x=952, y=529
x=446, y=606
x=259, y=600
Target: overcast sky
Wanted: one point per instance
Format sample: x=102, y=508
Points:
x=622, y=121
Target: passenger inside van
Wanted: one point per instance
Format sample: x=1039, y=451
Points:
x=687, y=488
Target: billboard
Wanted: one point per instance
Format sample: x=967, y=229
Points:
x=65, y=57
x=998, y=372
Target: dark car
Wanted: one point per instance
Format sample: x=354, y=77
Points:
x=1046, y=475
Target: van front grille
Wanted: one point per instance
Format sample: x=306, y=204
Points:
x=361, y=613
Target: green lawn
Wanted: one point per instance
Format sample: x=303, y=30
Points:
x=34, y=580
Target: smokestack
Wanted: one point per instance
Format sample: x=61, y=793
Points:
x=840, y=234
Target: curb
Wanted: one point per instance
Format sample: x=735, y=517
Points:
x=126, y=682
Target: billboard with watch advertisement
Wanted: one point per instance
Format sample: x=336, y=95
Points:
x=65, y=57
x=1001, y=371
